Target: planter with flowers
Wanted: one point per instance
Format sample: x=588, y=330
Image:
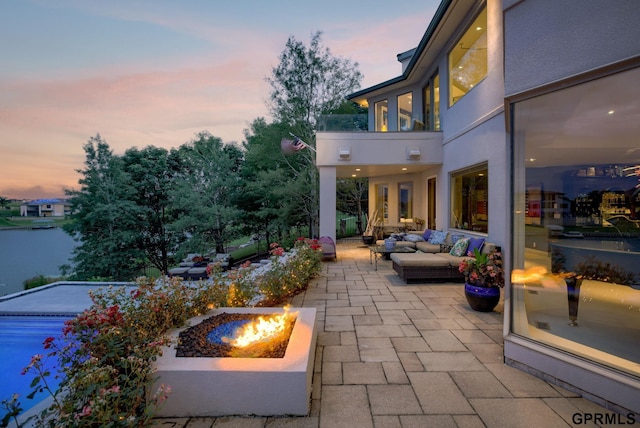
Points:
x=484, y=277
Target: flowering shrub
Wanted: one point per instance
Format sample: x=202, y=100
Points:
x=287, y=278
x=484, y=270
x=105, y=354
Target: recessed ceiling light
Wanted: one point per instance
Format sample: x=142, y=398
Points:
x=404, y=169
x=532, y=159
x=611, y=112
x=357, y=169
x=353, y=175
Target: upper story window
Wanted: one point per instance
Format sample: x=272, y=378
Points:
x=468, y=59
x=405, y=111
x=381, y=112
x=432, y=104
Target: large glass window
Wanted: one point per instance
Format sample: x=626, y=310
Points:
x=469, y=199
x=468, y=59
x=381, y=112
x=382, y=202
x=432, y=104
x=405, y=200
x=576, y=286
x=405, y=112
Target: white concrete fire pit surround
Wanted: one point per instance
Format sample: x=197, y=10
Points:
x=241, y=386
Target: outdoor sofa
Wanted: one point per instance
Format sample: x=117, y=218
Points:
x=437, y=257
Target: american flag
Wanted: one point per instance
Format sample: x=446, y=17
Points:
x=291, y=146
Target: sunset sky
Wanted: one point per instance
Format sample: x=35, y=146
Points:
x=156, y=72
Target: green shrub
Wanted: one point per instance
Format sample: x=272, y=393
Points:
x=39, y=280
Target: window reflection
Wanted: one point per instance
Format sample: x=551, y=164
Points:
x=470, y=198
x=577, y=221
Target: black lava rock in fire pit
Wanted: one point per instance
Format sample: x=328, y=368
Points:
x=194, y=341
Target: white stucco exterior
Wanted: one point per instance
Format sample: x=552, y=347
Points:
x=530, y=44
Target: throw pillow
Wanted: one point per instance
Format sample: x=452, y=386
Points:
x=412, y=237
x=426, y=234
x=438, y=237
x=459, y=249
x=455, y=238
x=473, y=244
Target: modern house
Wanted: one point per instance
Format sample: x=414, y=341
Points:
x=513, y=119
x=45, y=208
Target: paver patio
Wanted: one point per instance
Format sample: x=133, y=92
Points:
x=397, y=355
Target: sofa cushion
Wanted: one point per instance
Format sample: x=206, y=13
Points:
x=453, y=260
x=419, y=260
x=475, y=243
x=438, y=237
x=426, y=234
x=460, y=247
x=412, y=237
x=398, y=243
x=427, y=247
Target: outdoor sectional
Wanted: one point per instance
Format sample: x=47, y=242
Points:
x=433, y=261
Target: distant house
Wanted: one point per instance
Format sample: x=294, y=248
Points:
x=45, y=208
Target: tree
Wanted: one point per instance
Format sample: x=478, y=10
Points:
x=307, y=83
x=151, y=172
x=352, y=197
x=204, y=188
x=104, y=217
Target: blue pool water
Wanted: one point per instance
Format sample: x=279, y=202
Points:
x=20, y=338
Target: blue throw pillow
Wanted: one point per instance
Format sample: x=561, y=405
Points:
x=438, y=237
x=426, y=234
x=473, y=244
x=455, y=238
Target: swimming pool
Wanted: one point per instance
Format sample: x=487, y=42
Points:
x=21, y=337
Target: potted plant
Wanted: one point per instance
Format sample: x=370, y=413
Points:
x=483, y=277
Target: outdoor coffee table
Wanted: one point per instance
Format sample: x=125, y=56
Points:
x=381, y=251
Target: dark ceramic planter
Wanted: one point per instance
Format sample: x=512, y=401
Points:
x=482, y=299
x=368, y=239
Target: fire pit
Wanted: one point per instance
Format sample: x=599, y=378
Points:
x=204, y=385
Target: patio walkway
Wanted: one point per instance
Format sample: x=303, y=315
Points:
x=397, y=355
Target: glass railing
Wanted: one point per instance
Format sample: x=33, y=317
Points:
x=343, y=123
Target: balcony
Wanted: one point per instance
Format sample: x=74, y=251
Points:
x=344, y=142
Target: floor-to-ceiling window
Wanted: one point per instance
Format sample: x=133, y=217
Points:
x=382, y=202
x=381, y=115
x=405, y=200
x=431, y=100
x=470, y=198
x=576, y=287
x=405, y=112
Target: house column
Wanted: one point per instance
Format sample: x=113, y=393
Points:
x=327, y=201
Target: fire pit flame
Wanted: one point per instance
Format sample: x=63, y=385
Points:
x=263, y=329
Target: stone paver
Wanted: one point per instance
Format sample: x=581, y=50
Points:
x=392, y=355
x=393, y=400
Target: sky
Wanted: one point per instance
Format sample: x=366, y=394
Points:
x=157, y=72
